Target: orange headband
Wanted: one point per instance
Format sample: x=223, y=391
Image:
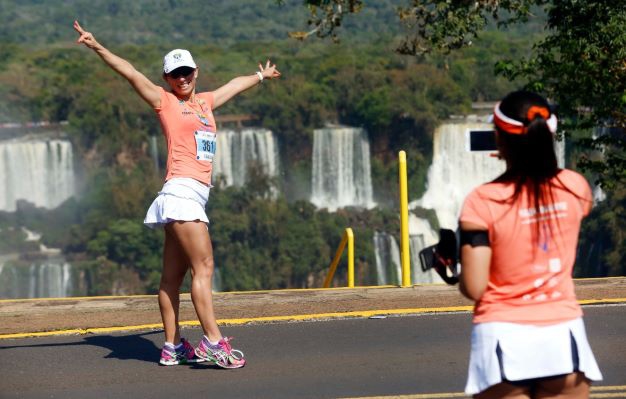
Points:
x=537, y=110
x=513, y=126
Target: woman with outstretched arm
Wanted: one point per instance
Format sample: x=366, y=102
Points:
x=190, y=131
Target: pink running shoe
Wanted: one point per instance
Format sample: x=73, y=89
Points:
x=185, y=354
x=221, y=354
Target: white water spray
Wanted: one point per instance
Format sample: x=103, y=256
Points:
x=239, y=150
x=388, y=265
x=40, y=171
x=341, y=174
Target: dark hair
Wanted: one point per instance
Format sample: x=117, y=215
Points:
x=530, y=157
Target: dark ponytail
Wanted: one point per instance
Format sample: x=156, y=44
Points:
x=526, y=142
x=530, y=154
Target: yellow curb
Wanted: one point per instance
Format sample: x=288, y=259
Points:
x=417, y=396
x=601, y=301
x=444, y=395
x=609, y=388
x=268, y=319
x=233, y=322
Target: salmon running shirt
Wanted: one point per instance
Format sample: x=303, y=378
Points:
x=533, y=253
x=190, y=132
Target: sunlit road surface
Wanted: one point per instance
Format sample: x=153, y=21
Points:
x=405, y=357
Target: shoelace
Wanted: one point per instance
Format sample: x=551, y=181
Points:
x=225, y=345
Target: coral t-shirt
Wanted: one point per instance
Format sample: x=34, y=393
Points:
x=190, y=132
x=533, y=253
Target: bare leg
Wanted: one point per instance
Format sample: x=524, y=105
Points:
x=175, y=266
x=195, y=242
x=574, y=386
x=504, y=390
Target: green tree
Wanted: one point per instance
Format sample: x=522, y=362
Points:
x=580, y=64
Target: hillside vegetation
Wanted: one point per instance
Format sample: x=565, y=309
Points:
x=259, y=244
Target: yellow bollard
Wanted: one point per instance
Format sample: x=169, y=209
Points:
x=347, y=238
x=404, y=222
x=350, y=257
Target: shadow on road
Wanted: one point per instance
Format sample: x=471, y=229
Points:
x=125, y=347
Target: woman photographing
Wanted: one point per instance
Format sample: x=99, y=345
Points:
x=519, y=235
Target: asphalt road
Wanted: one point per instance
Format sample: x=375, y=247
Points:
x=319, y=359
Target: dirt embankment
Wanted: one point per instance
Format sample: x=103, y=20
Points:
x=26, y=316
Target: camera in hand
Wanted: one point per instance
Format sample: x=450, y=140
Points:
x=442, y=257
x=481, y=140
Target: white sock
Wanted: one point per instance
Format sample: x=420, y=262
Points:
x=211, y=342
x=169, y=345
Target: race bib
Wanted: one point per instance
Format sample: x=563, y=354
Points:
x=205, y=145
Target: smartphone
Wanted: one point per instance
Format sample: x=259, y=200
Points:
x=481, y=140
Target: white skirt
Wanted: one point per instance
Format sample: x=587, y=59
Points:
x=181, y=199
x=515, y=352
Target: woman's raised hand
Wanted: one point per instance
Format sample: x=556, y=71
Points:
x=269, y=71
x=85, y=38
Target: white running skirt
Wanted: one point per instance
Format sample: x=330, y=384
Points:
x=180, y=199
x=515, y=352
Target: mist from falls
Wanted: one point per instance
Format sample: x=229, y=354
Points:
x=341, y=174
x=237, y=151
x=49, y=278
x=40, y=171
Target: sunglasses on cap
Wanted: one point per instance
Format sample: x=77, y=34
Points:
x=182, y=71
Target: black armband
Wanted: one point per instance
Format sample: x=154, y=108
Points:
x=475, y=238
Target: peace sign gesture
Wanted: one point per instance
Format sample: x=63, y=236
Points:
x=85, y=37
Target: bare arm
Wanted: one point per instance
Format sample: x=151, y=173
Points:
x=243, y=83
x=475, y=263
x=142, y=85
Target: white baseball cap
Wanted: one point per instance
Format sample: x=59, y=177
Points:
x=176, y=59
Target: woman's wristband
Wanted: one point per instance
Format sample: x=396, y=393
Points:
x=260, y=75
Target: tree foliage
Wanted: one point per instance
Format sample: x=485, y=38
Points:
x=580, y=64
x=258, y=243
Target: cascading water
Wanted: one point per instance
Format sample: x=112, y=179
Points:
x=388, y=265
x=154, y=152
x=40, y=171
x=217, y=280
x=341, y=173
x=455, y=171
x=421, y=236
x=239, y=150
x=51, y=278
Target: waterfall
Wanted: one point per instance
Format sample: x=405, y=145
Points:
x=52, y=278
x=455, y=171
x=341, y=169
x=217, y=280
x=388, y=268
x=237, y=151
x=40, y=171
x=154, y=152
x=421, y=235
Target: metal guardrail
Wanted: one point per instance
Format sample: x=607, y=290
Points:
x=347, y=238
